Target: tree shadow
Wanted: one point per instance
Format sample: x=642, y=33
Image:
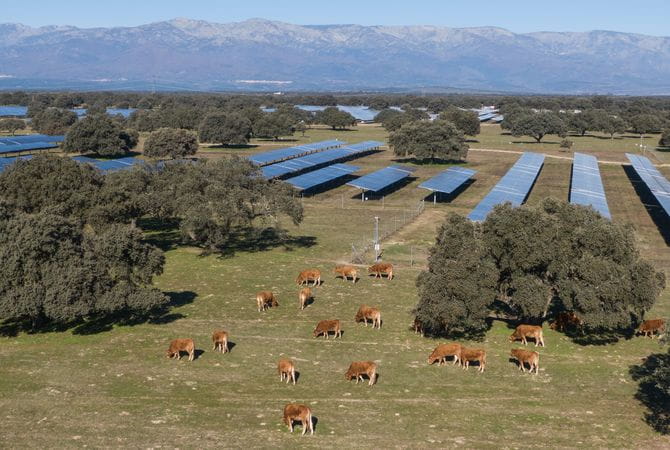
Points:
x=654, y=209
x=534, y=142
x=653, y=389
x=429, y=161
x=277, y=141
x=253, y=240
x=231, y=147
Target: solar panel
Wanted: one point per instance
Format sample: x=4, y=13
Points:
x=587, y=186
x=109, y=165
x=317, y=159
x=655, y=181
x=317, y=177
x=16, y=148
x=376, y=181
x=28, y=138
x=13, y=111
x=449, y=180
x=282, y=154
x=513, y=187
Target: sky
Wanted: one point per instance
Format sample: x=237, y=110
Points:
x=521, y=16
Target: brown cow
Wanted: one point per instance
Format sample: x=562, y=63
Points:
x=220, y=340
x=306, y=276
x=526, y=356
x=528, y=331
x=286, y=368
x=382, y=268
x=565, y=320
x=181, y=345
x=347, y=272
x=359, y=368
x=442, y=351
x=265, y=299
x=296, y=411
x=651, y=326
x=304, y=296
x=417, y=326
x=366, y=312
x=326, y=326
x=472, y=354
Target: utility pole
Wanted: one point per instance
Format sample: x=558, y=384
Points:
x=376, y=239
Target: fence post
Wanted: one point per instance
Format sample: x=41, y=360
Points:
x=411, y=256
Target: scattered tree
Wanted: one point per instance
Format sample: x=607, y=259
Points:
x=99, y=134
x=273, y=125
x=53, y=121
x=612, y=125
x=12, y=125
x=335, y=118
x=225, y=129
x=170, y=142
x=566, y=144
x=665, y=138
x=646, y=123
x=429, y=140
x=300, y=127
x=535, y=124
x=466, y=121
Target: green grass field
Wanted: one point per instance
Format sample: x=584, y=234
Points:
x=115, y=388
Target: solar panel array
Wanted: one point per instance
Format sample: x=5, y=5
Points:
x=655, y=181
x=110, y=165
x=376, y=181
x=317, y=159
x=9, y=111
x=321, y=176
x=587, y=186
x=449, y=180
x=513, y=187
x=16, y=144
x=283, y=154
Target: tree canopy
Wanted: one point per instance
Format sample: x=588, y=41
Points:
x=99, y=134
x=335, y=118
x=274, y=125
x=653, y=377
x=53, y=121
x=534, y=124
x=429, y=140
x=646, y=123
x=170, y=142
x=466, y=121
x=12, y=125
x=546, y=259
x=225, y=129
x=665, y=138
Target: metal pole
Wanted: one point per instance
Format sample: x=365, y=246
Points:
x=342, y=201
x=362, y=195
x=411, y=255
x=383, y=202
x=434, y=197
x=376, y=239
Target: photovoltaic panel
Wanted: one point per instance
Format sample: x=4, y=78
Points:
x=317, y=177
x=449, y=180
x=10, y=110
x=376, y=181
x=587, y=186
x=16, y=148
x=655, y=181
x=282, y=154
x=109, y=165
x=317, y=159
x=29, y=138
x=513, y=187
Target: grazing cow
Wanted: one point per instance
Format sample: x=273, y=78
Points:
x=326, y=326
x=528, y=331
x=366, y=312
x=652, y=326
x=382, y=268
x=526, y=356
x=181, y=345
x=472, y=354
x=265, y=299
x=304, y=296
x=302, y=413
x=565, y=321
x=286, y=368
x=443, y=351
x=359, y=368
x=306, y=276
x=347, y=272
x=220, y=340
x=417, y=326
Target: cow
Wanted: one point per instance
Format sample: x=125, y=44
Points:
x=296, y=411
x=347, y=272
x=359, y=368
x=526, y=357
x=266, y=299
x=306, y=276
x=565, y=320
x=181, y=345
x=286, y=369
x=220, y=340
x=443, y=351
x=382, y=268
x=366, y=312
x=326, y=326
x=472, y=354
x=651, y=326
x=304, y=296
x=528, y=331
x=417, y=326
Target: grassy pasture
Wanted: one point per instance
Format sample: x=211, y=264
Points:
x=116, y=388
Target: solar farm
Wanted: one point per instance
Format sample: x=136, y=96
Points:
x=126, y=388
x=13, y=145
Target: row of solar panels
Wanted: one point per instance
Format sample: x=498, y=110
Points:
x=17, y=144
x=283, y=154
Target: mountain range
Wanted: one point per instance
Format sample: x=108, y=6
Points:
x=262, y=55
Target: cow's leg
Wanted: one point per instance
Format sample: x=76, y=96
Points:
x=293, y=376
x=290, y=425
x=191, y=355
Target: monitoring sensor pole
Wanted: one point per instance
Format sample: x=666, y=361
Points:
x=376, y=239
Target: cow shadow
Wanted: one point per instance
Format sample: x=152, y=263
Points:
x=197, y=353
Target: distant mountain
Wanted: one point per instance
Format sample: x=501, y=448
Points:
x=265, y=55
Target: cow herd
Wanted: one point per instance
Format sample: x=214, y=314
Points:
x=464, y=356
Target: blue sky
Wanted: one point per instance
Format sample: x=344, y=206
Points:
x=641, y=16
